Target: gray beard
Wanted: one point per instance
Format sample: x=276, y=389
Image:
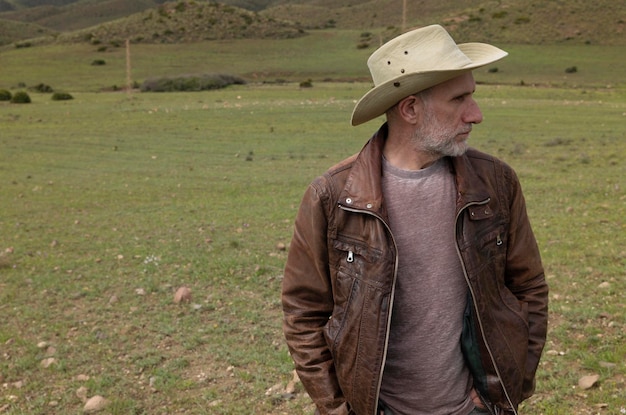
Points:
x=437, y=139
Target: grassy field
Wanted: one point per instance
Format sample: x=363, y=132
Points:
x=112, y=201
x=322, y=55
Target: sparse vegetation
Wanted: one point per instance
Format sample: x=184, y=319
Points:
x=20, y=97
x=42, y=88
x=190, y=83
x=61, y=96
x=5, y=95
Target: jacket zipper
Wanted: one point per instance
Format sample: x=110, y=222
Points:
x=480, y=323
x=391, y=298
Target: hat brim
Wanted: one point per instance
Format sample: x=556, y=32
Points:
x=382, y=97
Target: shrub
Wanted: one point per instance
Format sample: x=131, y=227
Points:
x=5, y=95
x=181, y=6
x=306, y=84
x=98, y=62
x=20, y=97
x=43, y=88
x=61, y=96
x=190, y=83
x=571, y=69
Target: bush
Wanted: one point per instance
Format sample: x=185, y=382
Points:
x=190, y=83
x=43, y=88
x=571, y=69
x=61, y=96
x=98, y=62
x=5, y=95
x=20, y=97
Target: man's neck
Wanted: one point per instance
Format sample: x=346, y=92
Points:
x=401, y=153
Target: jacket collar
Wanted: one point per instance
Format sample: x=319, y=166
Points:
x=363, y=190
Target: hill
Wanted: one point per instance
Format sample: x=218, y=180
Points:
x=69, y=15
x=186, y=21
x=504, y=21
x=176, y=22
x=14, y=31
x=601, y=22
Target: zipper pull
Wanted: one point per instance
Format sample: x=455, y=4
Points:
x=350, y=256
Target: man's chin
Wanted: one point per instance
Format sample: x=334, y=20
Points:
x=458, y=150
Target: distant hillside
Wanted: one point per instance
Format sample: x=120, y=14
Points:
x=501, y=21
x=12, y=31
x=498, y=21
x=182, y=21
x=185, y=21
x=69, y=15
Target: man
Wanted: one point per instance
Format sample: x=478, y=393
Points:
x=414, y=283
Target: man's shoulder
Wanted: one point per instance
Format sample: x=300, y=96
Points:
x=343, y=166
x=477, y=157
x=328, y=185
x=339, y=171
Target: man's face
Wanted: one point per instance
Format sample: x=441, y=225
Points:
x=447, y=116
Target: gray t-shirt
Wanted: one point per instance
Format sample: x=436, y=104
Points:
x=425, y=372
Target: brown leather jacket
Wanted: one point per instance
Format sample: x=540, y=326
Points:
x=338, y=287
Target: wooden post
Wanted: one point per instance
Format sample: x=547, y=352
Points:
x=403, y=16
x=129, y=82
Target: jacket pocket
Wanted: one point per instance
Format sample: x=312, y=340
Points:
x=362, y=262
x=361, y=280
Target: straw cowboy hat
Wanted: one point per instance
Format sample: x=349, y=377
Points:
x=415, y=61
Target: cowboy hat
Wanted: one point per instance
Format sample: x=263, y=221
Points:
x=415, y=61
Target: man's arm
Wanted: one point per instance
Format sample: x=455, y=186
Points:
x=526, y=280
x=308, y=304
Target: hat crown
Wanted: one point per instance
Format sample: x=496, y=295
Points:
x=423, y=50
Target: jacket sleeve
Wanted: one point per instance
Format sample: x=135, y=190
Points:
x=525, y=278
x=308, y=304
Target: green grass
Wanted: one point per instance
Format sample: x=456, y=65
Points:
x=111, y=201
x=322, y=55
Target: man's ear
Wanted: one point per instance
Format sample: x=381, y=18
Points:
x=410, y=109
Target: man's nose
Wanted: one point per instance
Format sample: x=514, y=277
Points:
x=473, y=114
